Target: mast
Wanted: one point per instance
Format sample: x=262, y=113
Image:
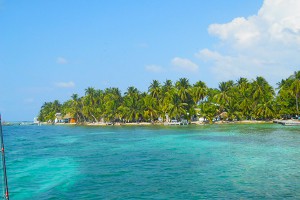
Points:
x=5, y=185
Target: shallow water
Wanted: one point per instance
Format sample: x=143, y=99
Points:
x=191, y=162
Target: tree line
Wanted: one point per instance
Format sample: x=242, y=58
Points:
x=233, y=100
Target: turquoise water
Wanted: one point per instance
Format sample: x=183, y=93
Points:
x=194, y=162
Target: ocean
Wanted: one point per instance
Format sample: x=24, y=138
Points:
x=257, y=161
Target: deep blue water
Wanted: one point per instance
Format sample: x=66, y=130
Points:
x=192, y=162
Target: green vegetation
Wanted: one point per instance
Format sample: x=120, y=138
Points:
x=240, y=100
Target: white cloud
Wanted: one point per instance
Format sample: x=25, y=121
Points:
x=61, y=60
x=265, y=44
x=154, y=68
x=230, y=67
x=183, y=64
x=69, y=84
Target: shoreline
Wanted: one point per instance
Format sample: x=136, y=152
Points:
x=194, y=123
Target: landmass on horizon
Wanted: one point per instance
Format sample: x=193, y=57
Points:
x=232, y=101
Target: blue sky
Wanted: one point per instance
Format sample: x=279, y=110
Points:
x=52, y=49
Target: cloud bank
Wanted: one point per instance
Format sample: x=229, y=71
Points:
x=183, y=64
x=266, y=44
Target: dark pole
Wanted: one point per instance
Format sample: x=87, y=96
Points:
x=5, y=185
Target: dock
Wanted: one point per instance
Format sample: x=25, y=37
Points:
x=175, y=122
x=288, y=122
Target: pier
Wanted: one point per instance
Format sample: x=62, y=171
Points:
x=288, y=122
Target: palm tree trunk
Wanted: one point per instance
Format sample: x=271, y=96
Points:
x=77, y=118
x=94, y=118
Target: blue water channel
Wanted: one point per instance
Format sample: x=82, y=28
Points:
x=156, y=162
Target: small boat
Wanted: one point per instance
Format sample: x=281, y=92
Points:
x=6, y=124
x=26, y=123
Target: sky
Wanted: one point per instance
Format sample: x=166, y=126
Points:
x=52, y=49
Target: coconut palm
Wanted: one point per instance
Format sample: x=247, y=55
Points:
x=150, y=107
x=244, y=98
x=198, y=91
x=176, y=108
x=288, y=95
x=261, y=90
x=295, y=87
x=48, y=110
x=132, y=105
x=112, y=101
x=224, y=96
x=182, y=86
x=262, y=93
x=266, y=110
x=155, y=89
x=208, y=111
x=233, y=111
x=168, y=86
x=76, y=108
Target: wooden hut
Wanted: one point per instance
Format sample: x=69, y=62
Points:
x=69, y=119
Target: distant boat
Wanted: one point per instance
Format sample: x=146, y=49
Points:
x=6, y=124
x=36, y=121
x=26, y=123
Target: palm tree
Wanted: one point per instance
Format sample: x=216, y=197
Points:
x=208, y=110
x=199, y=91
x=131, y=104
x=183, y=86
x=112, y=101
x=155, y=89
x=132, y=91
x=243, y=97
x=150, y=107
x=262, y=91
x=232, y=109
x=89, y=108
x=168, y=84
x=167, y=93
x=44, y=112
x=56, y=106
x=295, y=87
x=223, y=97
x=288, y=95
x=90, y=93
x=176, y=108
x=266, y=110
x=49, y=109
x=76, y=109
